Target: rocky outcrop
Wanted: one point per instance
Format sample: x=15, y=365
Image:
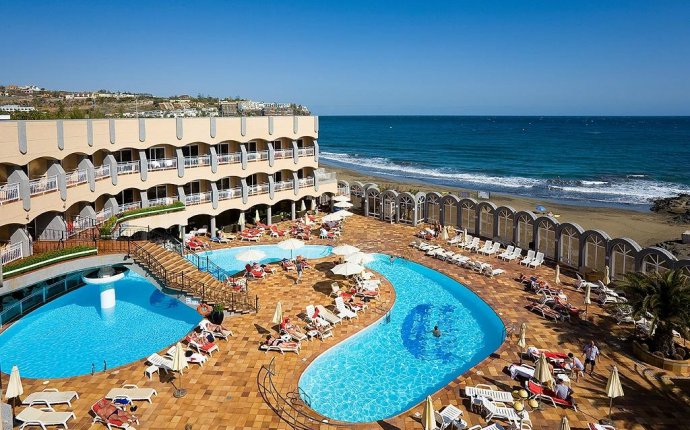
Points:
x=676, y=247
x=678, y=208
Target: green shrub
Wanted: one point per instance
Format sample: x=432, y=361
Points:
x=38, y=258
x=108, y=226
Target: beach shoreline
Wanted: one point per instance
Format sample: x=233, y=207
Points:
x=646, y=228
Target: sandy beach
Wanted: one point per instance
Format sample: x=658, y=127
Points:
x=646, y=228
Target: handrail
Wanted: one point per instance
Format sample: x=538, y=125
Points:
x=43, y=185
x=9, y=193
x=198, y=198
x=198, y=160
x=76, y=177
x=11, y=253
x=162, y=163
x=230, y=193
x=230, y=158
x=127, y=167
x=283, y=153
x=283, y=185
x=102, y=171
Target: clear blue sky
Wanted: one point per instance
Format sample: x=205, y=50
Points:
x=546, y=57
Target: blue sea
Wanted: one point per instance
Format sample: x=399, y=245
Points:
x=600, y=161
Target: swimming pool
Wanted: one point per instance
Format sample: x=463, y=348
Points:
x=393, y=364
x=225, y=258
x=64, y=337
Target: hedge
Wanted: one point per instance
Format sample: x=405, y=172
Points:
x=39, y=258
x=108, y=226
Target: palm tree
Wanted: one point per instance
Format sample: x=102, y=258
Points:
x=666, y=296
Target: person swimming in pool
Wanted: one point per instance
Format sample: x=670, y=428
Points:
x=436, y=332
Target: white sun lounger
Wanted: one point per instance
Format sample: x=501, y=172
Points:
x=132, y=392
x=491, y=272
x=487, y=246
x=328, y=315
x=528, y=259
x=223, y=334
x=343, y=311
x=494, y=249
x=474, y=245
x=466, y=242
x=43, y=417
x=507, y=253
x=500, y=412
x=517, y=253
x=538, y=260
x=50, y=397
x=282, y=347
x=318, y=320
x=162, y=362
x=484, y=390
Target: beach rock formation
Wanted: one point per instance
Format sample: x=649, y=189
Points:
x=678, y=208
x=676, y=247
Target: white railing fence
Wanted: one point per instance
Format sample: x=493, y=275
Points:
x=76, y=177
x=129, y=206
x=11, y=253
x=162, y=164
x=229, y=158
x=198, y=198
x=201, y=160
x=43, y=185
x=283, y=185
x=161, y=201
x=102, y=171
x=283, y=153
x=9, y=193
x=127, y=167
x=230, y=193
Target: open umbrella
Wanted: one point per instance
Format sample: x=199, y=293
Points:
x=14, y=386
x=250, y=255
x=607, y=276
x=564, y=424
x=344, y=214
x=179, y=362
x=558, y=274
x=428, y=417
x=588, y=296
x=344, y=205
x=613, y=387
x=540, y=209
x=335, y=216
x=278, y=314
x=341, y=198
x=344, y=250
x=347, y=269
x=291, y=244
x=521, y=341
x=359, y=258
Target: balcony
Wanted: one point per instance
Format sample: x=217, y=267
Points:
x=11, y=253
x=101, y=172
x=162, y=201
x=257, y=156
x=306, y=182
x=103, y=215
x=162, y=164
x=129, y=206
x=197, y=199
x=9, y=193
x=230, y=158
x=76, y=177
x=283, y=153
x=201, y=160
x=326, y=178
x=258, y=189
x=303, y=152
x=127, y=167
x=230, y=193
x=283, y=185
x=43, y=185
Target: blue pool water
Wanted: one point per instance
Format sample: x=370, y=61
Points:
x=225, y=258
x=393, y=364
x=64, y=337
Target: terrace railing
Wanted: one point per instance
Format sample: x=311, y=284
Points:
x=201, y=160
x=283, y=185
x=103, y=215
x=197, y=199
x=9, y=193
x=11, y=253
x=229, y=158
x=43, y=185
x=127, y=167
x=304, y=152
x=101, y=172
x=306, y=182
x=129, y=206
x=230, y=193
x=76, y=177
x=162, y=201
x=283, y=153
x=162, y=164
x=258, y=189
x=327, y=178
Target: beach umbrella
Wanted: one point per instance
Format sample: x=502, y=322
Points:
x=343, y=205
x=464, y=234
x=250, y=255
x=588, y=296
x=540, y=208
x=521, y=341
x=359, y=258
x=291, y=244
x=558, y=273
x=344, y=250
x=444, y=234
x=542, y=371
x=332, y=217
x=344, y=214
x=14, y=386
x=428, y=417
x=564, y=424
x=347, y=269
x=278, y=314
x=303, y=207
x=241, y=221
x=179, y=362
x=257, y=217
x=607, y=276
x=341, y=198
x=613, y=387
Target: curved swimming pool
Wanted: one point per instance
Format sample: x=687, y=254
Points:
x=226, y=258
x=393, y=364
x=66, y=336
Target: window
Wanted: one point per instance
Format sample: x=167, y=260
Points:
x=190, y=151
x=223, y=149
x=223, y=184
x=622, y=260
x=156, y=153
x=486, y=222
x=505, y=225
x=123, y=156
x=570, y=246
x=468, y=216
x=192, y=188
x=157, y=192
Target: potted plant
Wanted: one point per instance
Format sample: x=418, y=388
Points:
x=216, y=316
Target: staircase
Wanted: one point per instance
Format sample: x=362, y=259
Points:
x=178, y=273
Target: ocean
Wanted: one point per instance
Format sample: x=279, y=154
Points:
x=595, y=161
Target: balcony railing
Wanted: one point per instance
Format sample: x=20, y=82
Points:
x=326, y=178
x=229, y=158
x=303, y=152
x=283, y=185
x=230, y=193
x=103, y=171
x=258, y=189
x=162, y=164
x=257, y=156
x=43, y=185
x=9, y=193
x=76, y=177
x=162, y=201
x=129, y=206
x=201, y=160
x=306, y=182
x=11, y=253
x=283, y=153
x=127, y=167
x=196, y=199
x=103, y=215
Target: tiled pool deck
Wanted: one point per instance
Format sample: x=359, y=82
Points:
x=223, y=393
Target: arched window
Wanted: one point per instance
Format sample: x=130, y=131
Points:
x=595, y=252
x=374, y=202
x=570, y=246
x=525, y=231
x=388, y=204
x=357, y=195
x=486, y=221
x=546, y=238
x=421, y=201
x=433, y=209
x=622, y=259
x=655, y=262
x=505, y=225
x=468, y=214
x=450, y=212
x=406, y=208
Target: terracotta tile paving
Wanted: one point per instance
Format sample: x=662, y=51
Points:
x=223, y=393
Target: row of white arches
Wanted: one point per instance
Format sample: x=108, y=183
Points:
x=565, y=243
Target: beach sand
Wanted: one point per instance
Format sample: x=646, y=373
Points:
x=646, y=228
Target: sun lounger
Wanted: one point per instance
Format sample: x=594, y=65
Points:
x=280, y=346
x=217, y=332
x=506, y=253
x=581, y=283
x=491, y=427
x=528, y=259
x=112, y=415
x=50, y=397
x=202, y=344
x=194, y=357
x=43, y=417
x=459, y=259
x=484, y=390
x=517, y=254
x=540, y=392
x=466, y=242
x=314, y=317
x=545, y=311
x=493, y=250
x=455, y=240
x=499, y=411
x=328, y=315
x=486, y=248
x=491, y=272
x=449, y=417
x=131, y=392
x=162, y=362
x=474, y=245
x=524, y=371
x=343, y=311
x=537, y=261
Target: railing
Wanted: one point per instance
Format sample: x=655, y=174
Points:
x=102, y=171
x=258, y=189
x=343, y=191
x=129, y=206
x=76, y=177
x=326, y=178
x=162, y=164
x=306, y=182
x=303, y=152
x=229, y=158
x=201, y=160
x=257, y=156
x=230, y=193
x=11, y=253
x=127, y=167
x=283, y=153
x=283, y=185
x=196, y=199
x=9, y=193
x=43, y=185
x=162, y=201
x=103, y=215
x=80, y=224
